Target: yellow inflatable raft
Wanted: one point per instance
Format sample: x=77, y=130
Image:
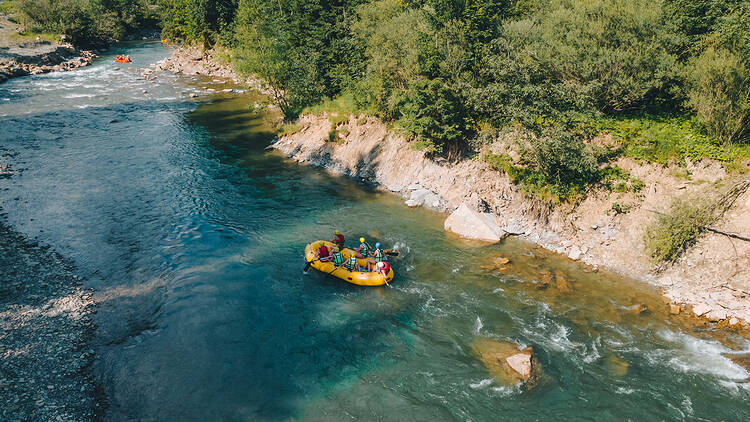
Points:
x=354, y=277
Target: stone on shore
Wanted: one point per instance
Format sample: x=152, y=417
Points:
x=701, y=309
x=423, y=197
x=674, y=309
x=471, y=224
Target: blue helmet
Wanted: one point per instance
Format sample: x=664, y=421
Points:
x=377, y=245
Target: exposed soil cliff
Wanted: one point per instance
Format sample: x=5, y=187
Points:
x=713, y=276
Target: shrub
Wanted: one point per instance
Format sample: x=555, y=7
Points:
x=672, y=233
x=430, y=110
x=562, y=158
x=719, y=91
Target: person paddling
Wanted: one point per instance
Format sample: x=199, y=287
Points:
x=351, y=264
x=378, y=255
x=363, y=251
x=384, y=268
x=338, y=240
x=323, y=254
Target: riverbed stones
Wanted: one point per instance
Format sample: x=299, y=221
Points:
x=471, y=224
x=507, y=364
x=674, y=308
x=497, y=263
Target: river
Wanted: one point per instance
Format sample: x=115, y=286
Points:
x=192, y=234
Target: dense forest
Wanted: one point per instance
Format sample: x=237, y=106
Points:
x=453, y=74
x=84, y=23
x=669, y=78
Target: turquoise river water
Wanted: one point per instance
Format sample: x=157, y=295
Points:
x=192, y=234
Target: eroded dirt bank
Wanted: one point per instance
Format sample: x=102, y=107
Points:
x=713, y=277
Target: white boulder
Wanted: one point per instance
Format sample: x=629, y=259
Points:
x=471, y=224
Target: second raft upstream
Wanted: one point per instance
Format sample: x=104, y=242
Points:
x=355, y=277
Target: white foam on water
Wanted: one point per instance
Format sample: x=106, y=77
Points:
x=481, y=384
x=594, y=355
x=457, y=269
x=498, y=290
x=697, y=355
x=79, y=95
x=478, y=326
x=623, y=390
x=687, y=406
x=505, y=391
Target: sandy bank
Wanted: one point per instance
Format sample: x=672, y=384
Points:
x=713, y=277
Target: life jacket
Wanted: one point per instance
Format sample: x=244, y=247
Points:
x=379, y=255
x=364, y=249
x=338, y=239
x=351, y=263
x=386, y=268
x=338, y=259
x=322, y=251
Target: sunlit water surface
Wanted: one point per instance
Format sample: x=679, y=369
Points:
x=192, y=234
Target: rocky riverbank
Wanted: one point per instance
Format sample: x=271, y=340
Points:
x=712, y=279
x=45, y=328
x=192, y=60
x=22, y=57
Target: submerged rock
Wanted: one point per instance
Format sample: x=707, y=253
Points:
x=616, y=366
x=471, y=224
x=498, y=263
x=506, y=363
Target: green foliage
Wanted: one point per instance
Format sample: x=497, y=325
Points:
x=287, y=129
x=719, y=91
x=86, y=23
x=672, y=233
x=618, y=208
x=196, y=20
x=664, y=139
x=431, y=111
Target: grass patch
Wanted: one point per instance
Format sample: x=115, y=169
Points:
x=665, y=139
x=342, y=105
x=619, y=208
x=287, y=129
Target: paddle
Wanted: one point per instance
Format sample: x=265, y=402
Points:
x=391, y=252
x=308, y=264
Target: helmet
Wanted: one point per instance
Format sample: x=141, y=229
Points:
x=362, y=240
x=381, y=264
x=377, y=245
x=336, y=232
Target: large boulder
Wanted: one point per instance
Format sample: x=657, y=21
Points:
x=507, y=364
x=471, y=224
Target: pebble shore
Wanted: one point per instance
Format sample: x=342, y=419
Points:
x=45, y=328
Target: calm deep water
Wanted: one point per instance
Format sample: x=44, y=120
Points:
x=192, y=234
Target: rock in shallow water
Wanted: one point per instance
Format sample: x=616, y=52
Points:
x=507, y=364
